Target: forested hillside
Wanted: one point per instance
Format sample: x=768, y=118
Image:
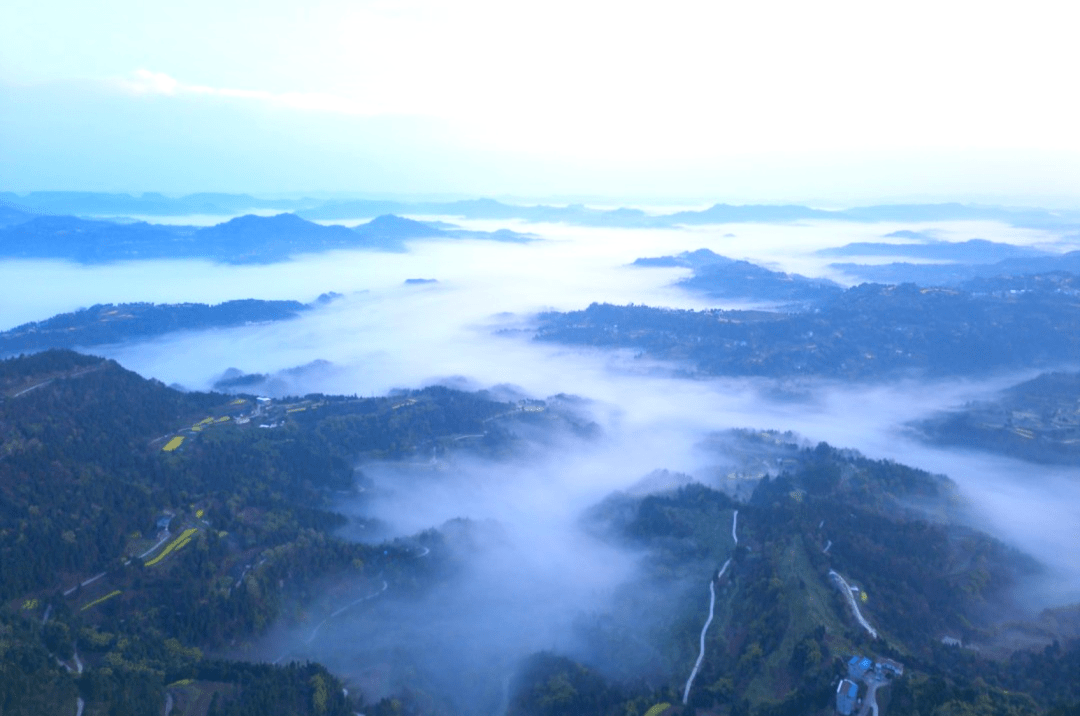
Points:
x=1037, y=420
x=116, y=323
x=141, y=526
x=782, y=630
x=148, y=534
x=721, y=277
x=868, y=332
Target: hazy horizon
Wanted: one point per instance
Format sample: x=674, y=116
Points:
x=661, y=107
x=770, y=102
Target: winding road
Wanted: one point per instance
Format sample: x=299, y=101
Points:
x=161, y=541
x=712, y=608
x=32, y=387
x=90, y=581
x=701, y=653
x=844, y=587
x=344, y=608
x=315, y=631
x=74, y=374
x=870, y=702
x=96, y=577
x=351, y=604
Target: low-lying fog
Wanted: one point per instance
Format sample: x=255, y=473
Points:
x=537, y=571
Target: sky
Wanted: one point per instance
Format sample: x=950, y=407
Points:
x=771, y=101
x=828, y=103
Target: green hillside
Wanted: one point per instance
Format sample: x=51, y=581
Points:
x=142, y=527
x=782, y=630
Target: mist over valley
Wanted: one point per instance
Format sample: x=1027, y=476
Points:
x=490, y=491
x=506, y=359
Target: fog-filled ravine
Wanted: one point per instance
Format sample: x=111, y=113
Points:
x=510, y=553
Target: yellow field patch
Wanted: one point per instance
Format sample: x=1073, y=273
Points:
x=176, y=544
x=173, y=444
x=96, y=602
x=657, y=710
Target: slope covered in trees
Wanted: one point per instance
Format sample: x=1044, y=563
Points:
x=92, y=465
x=99, y=604
x=721, y=277
x=782, y=631
x=868, y=332
x=1037, y=420
x=115, y=323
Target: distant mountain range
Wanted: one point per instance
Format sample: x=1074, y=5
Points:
x=86, y=203
x=11, y=215
x=153, y=204
x=971, y=251
x=722, y=277
x=959, y=273
x=716, y=214
x=115, y=323
x=245, y=239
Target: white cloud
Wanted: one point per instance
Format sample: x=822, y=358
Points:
x=148, y=82
x=599, y=89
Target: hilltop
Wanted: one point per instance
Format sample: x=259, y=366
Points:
x=722, y=277
x=1035, y=420
x=868, y=332
x=116, y=323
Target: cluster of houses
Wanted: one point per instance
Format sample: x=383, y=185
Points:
x=862, y=668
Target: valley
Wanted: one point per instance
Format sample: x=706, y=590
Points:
x=361, y=504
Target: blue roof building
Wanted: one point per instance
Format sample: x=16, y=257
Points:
x=857, y=667
x=847, y=694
